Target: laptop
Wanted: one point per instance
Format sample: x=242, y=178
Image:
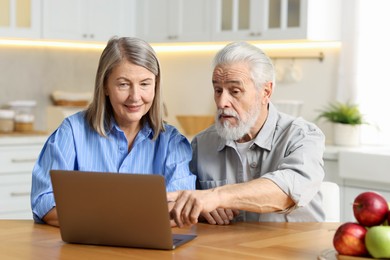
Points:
x=114, y=209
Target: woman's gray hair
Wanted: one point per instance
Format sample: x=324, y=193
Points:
x=99, y=114
x=260, y=65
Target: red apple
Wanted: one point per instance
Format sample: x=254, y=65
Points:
x=349, y=239
x=370, y=209
x=388, y=217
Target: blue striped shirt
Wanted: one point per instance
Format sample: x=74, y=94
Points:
x=76, y=146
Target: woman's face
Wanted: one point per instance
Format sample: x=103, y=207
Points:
x=131, y=91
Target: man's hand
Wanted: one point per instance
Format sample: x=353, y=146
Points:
x=189, y=204
x=220, y=216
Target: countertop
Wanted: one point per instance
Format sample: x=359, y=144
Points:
x=332, y=152
x=22, y=138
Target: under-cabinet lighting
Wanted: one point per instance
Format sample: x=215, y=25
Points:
x=263, y=45
x=173, y=47
x=55, y=44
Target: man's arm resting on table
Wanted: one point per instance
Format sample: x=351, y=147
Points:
x=260, y=195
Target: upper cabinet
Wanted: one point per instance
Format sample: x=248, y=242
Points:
x=20, y=18
x=162, y=21
x=88, y=20
x=173, y=20
x=276, y=20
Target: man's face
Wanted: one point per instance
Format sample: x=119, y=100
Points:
x=237, y=100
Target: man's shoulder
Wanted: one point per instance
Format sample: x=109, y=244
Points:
x=287, y=122
x=208, y=137
x=207, y=133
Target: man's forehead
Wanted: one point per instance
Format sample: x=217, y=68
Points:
x=236, y=72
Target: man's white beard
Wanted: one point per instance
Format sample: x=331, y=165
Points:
x=229, y=132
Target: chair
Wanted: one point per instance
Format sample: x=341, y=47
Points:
x=331, y=201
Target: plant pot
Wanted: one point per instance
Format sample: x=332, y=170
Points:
x=346, y=135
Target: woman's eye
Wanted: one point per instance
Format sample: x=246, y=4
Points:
x=145, y=85
x=123, y=85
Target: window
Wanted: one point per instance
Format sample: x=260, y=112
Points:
x=365, y=61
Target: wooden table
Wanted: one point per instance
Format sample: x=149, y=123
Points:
x=22, y=239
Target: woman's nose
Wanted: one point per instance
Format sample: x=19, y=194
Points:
x=134, y=93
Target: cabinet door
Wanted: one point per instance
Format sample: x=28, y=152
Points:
x=350, y=194
x=20, y=18
x=107, y=18
x=191, y=20
x=238, y=19
x=17, y=160
x=88, y=20
x=64, y=19
x=173, y=20
x=153, y=20
x=286, y=19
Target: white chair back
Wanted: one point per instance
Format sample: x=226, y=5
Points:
x=331, y=201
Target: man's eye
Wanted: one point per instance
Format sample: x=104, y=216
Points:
x=217, y=91
x=235, y=92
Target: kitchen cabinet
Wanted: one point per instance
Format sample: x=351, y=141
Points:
x=20, y=19
x=352, y=169
x=88, y=20
x=351, y=193
x=276, y=20
x=173, y=20
x=17, y=159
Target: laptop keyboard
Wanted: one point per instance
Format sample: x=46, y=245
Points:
x=177, y=240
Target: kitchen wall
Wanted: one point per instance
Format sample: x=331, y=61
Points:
x=34, y=72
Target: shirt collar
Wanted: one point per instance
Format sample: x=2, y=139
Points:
x=146, y=131
x=265, y=135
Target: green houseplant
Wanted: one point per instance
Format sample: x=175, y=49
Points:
x=343, y=113
x=346, y=119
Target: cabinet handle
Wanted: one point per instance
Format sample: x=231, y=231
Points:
x=24, y=160
x=84, y=35
x=172, y=37
x=20, y=193
x=253, y=34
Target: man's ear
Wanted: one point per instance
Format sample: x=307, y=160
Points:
x=267, y=92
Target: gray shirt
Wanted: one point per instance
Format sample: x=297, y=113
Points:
x=287, y=150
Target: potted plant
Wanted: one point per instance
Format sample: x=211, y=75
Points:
x=347, y=120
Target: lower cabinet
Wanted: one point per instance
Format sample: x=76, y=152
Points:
x=351, y=193
x=17, y=158
x=351, y=187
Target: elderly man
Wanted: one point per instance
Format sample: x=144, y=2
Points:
x=255, y=163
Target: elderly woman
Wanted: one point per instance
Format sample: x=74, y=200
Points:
x=121, y=131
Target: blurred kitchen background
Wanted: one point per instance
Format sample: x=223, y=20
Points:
x=323, y=51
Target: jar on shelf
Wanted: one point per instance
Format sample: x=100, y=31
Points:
x=24, y=117
x=7, y=120
x=24, y=122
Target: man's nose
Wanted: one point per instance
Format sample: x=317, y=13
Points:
x=223, y=100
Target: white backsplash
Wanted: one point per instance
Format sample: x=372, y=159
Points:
x=33, y=73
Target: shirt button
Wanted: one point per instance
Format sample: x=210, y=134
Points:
x=253, y=165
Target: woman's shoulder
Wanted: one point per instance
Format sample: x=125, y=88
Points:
x=169, y=130
x=76, y=122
